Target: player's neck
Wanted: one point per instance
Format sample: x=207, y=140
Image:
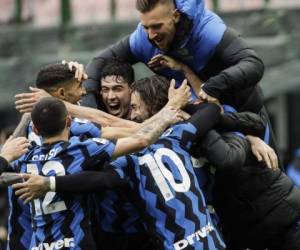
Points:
x=64, y=136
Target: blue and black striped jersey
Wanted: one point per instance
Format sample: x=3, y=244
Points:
x=19, y=221
x=63, y=220
x=116, y=213
x=169, y=198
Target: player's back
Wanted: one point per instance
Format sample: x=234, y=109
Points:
x=63, y=220
x=168, y=192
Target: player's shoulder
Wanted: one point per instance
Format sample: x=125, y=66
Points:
x=176, y=131
x=80, y=126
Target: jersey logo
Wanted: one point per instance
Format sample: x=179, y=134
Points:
x=191, y=239
x=66, y=242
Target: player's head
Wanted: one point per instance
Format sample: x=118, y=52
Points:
x=159, y=18
x=117, y=77
x=50, y=117
x=149, y=95
x=60, y=82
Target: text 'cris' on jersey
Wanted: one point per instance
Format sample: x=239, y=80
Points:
x=62, y=221
x=169, y=198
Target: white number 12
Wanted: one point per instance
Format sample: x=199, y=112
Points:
x=47, y=206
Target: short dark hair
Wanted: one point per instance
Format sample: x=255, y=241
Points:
x=119, y=68
x=54, y=75
x=49, y=116
x=153, y=91
x=144, y=6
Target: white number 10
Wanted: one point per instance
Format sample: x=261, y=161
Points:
x=160, y=173
x=47, y=206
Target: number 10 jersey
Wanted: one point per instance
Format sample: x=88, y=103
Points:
x=167, y=193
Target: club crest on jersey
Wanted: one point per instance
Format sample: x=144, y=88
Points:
x=66, y=242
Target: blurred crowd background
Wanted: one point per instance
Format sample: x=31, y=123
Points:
x=36, y=32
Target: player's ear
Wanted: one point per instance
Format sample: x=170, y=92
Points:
x=68, y=121
x=61, y=93
x=176, y=15
x=35, y=130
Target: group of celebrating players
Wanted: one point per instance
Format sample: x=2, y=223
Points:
x=182, y=159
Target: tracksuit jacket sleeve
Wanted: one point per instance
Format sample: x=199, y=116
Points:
x=243, y=67
x=226, y=151
x=122, y=51
x=88, y=182
x=3, y=164
x=245, y=122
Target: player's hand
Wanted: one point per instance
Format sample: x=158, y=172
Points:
x=171, y=115
x=162, y=61
x=206, y=97
x=80, y=73
x=180, y=97
x=13, y=148
x=7, y=178
x=25, y=101
x=263, y=152
x=35, y=186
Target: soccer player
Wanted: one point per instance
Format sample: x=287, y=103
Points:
x=62, y=221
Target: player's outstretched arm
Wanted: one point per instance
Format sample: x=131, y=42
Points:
x=37, y=186
x=148, y=134
x=162, y=61
x=21, y=129
x=25, y=102
x=97, y=116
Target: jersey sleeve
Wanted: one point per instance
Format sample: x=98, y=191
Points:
x=204, y=119
x=97, y=152
x=84, y=127
x=120, y=166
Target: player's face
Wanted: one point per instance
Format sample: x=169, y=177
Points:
x=115, y=94
x=74, y=92
x=160, y=25
x=139, y=111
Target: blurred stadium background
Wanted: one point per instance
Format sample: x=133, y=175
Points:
x=37, y=32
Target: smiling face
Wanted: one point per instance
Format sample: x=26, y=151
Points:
x=115, y=94
x=160, y=24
